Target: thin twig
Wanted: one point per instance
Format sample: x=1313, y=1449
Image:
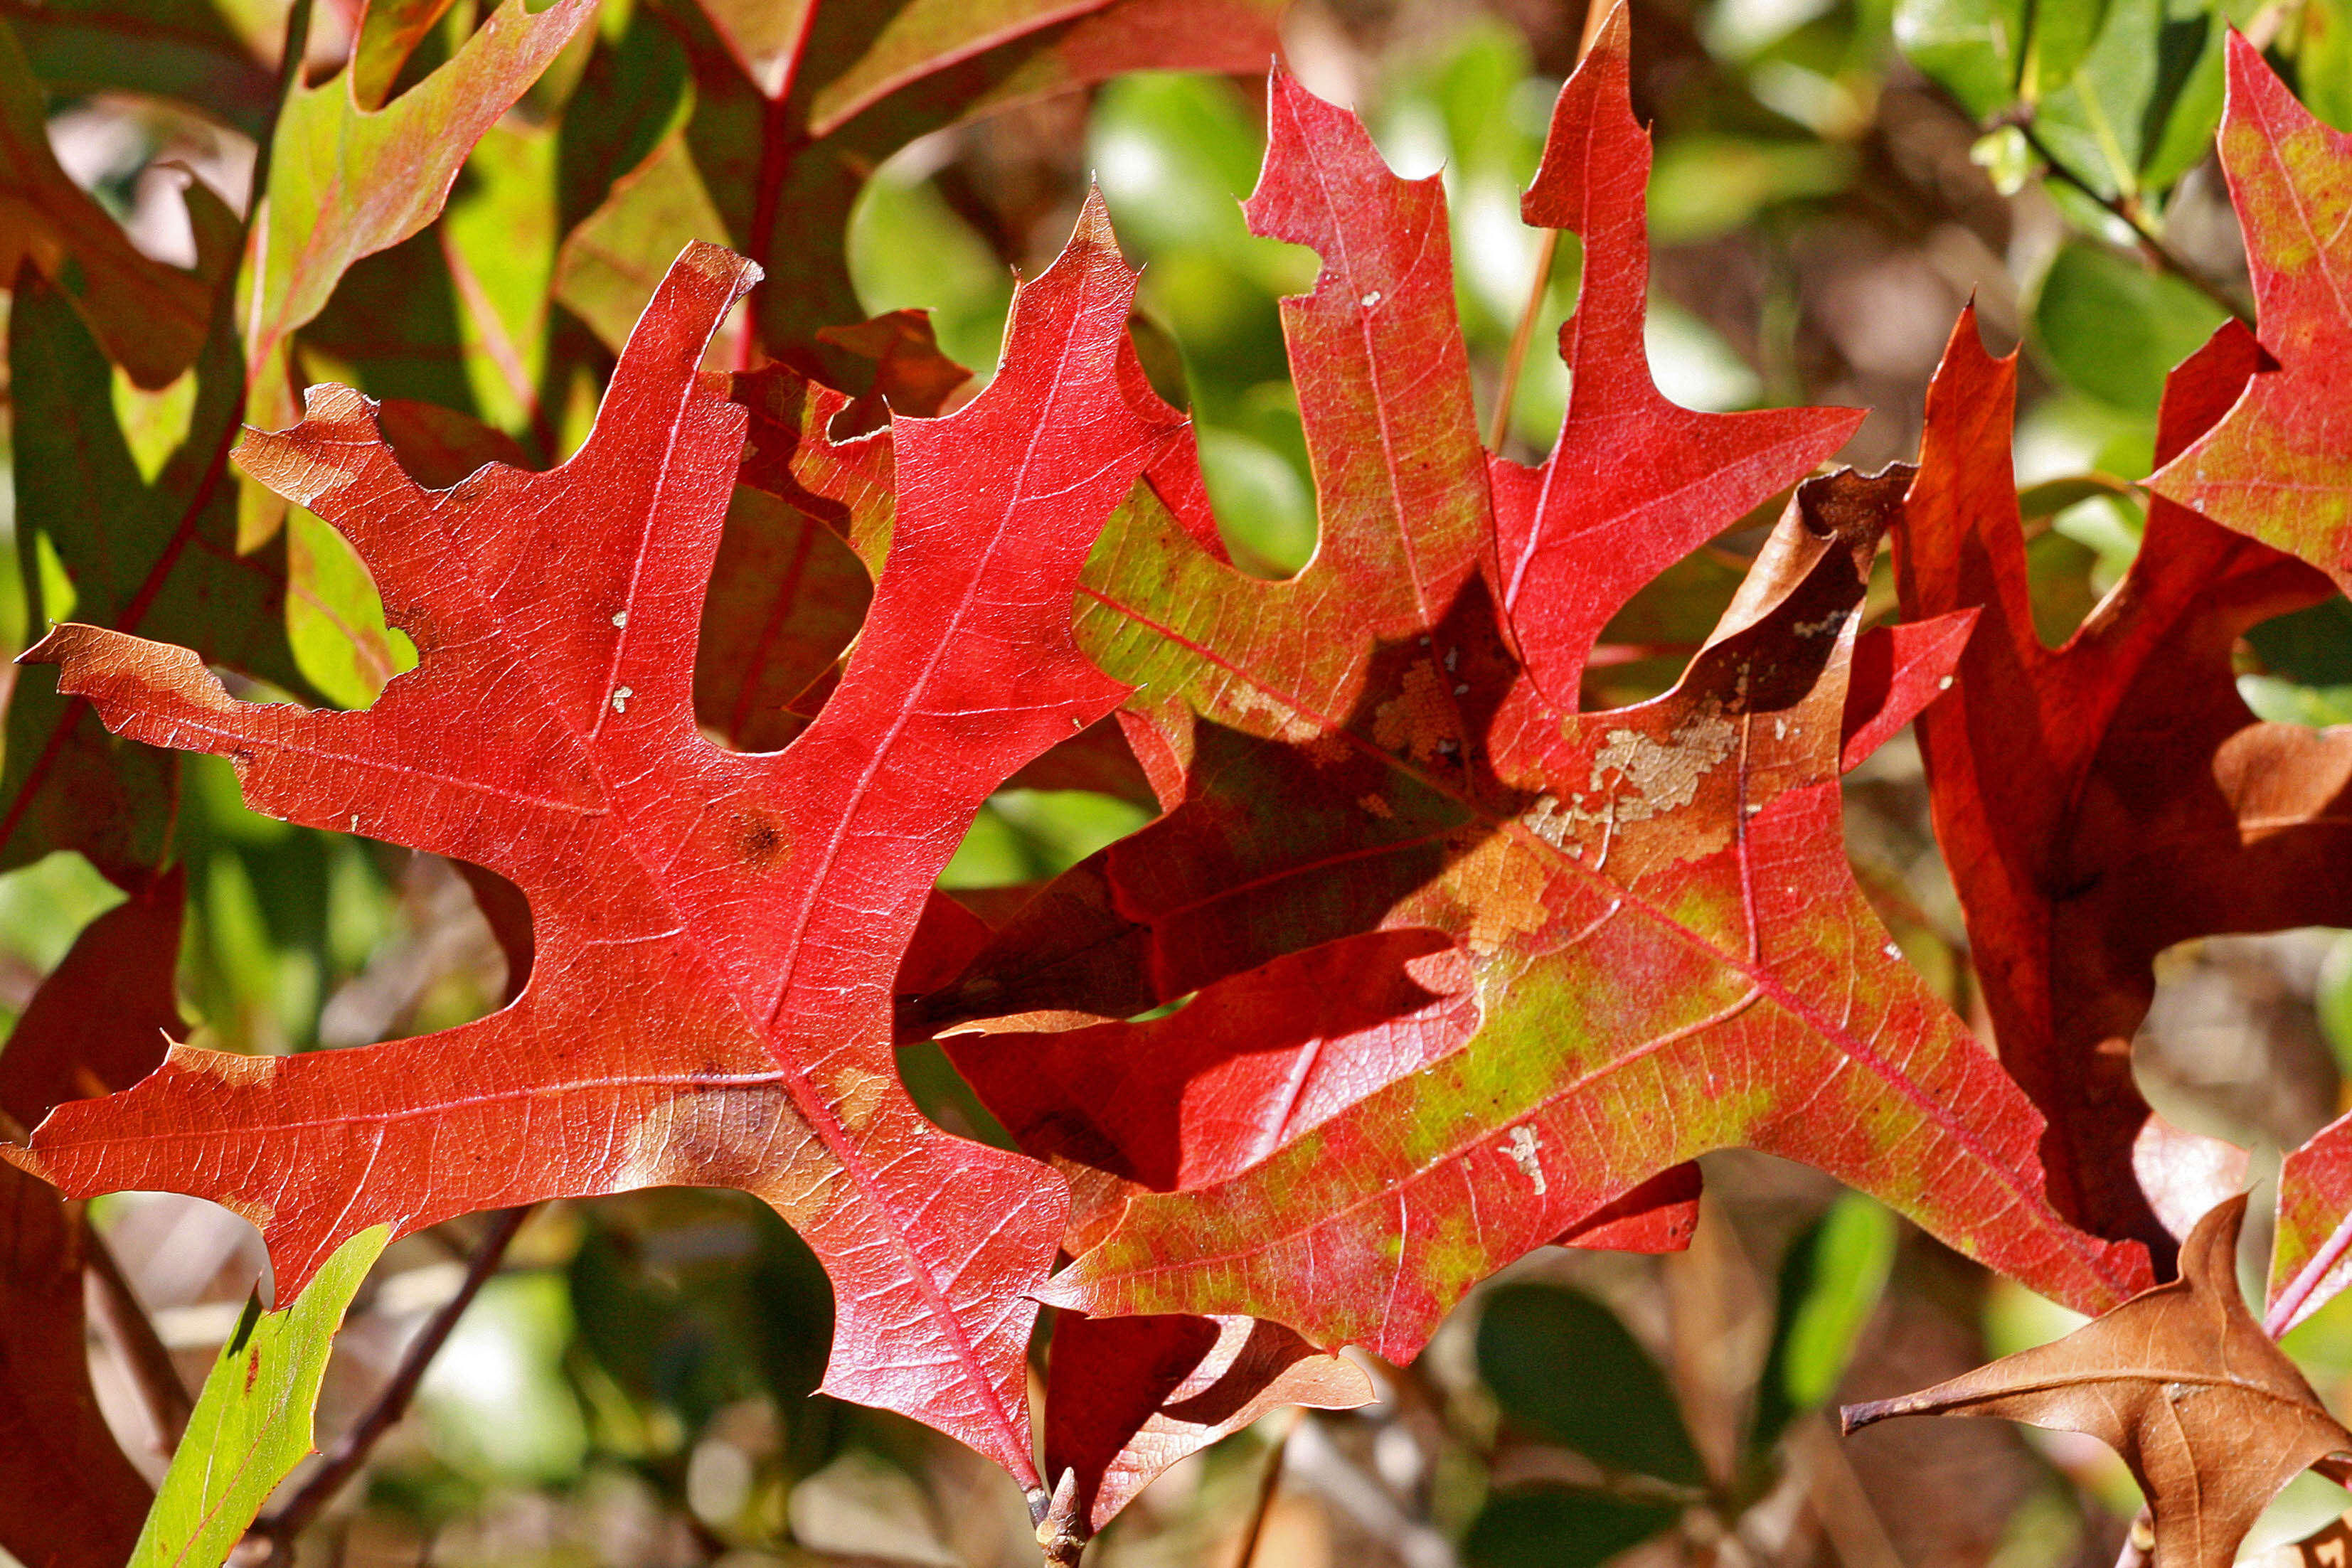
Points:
x=351, y=1451
x=1269, y=1484
x=1842, y=1503
x=1596, y=13
x=1521, y=336
x=2128, y=211
x=144, y=1353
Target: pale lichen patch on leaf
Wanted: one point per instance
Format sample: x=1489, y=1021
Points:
x=1664, y=774
x=1526, y=1150
x=1549, y=822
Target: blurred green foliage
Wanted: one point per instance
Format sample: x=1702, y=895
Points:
x=1557, y=1528
x=2114, y=328
x=1616, y=1409
x=1832, y=1280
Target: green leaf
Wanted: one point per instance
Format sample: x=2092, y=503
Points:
x=2053, y=496
x=2007, y=159
x=1028, y=835
x=347, y=180
x=2193, y=60
x=2283, y=702
x=89, y=517
x=2323, y=61
x=341, y=641
x=1709, y=186
x=2114, y=329
x=1560, y=1363
x=2060, y=33
x=1554, y=1528
x=1970, y=47
x=610, y=263
x=858, y=82
x=635, y=89
x=2312, y=647
x=251, y=1425
x=456, y=316
x=390, y=31
x=1831, y=1283
x=2125, y=94
x=2091, y=115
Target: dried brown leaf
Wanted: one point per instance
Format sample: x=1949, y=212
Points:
x=2182, y=1382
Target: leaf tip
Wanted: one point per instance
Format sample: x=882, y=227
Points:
x=1093, y=230
x=1595, y=108
x=1615, y=34
x=2244, y=60
x=318, y=457
x=2254, y=89
x=45, y=651
x=737, y=274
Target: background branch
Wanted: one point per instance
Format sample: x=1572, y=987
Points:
x=2151, y=243
x=351, y=1451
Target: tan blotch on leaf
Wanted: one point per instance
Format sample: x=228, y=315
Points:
x=2182, y=1381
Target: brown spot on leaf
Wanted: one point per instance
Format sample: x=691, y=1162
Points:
x=759, y=839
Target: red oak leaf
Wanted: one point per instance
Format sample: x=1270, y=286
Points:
x=716, y=932
x=811, y=524
x=145, y=552
x=1633, y=483
x=2279, y=464
x=1667, y=950
x=1189, y=1100
x=1181, y=1102
x=2100, y=801
x=795, y=568
x=1676, y=961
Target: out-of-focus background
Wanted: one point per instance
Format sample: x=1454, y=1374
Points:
x=1833, y=180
